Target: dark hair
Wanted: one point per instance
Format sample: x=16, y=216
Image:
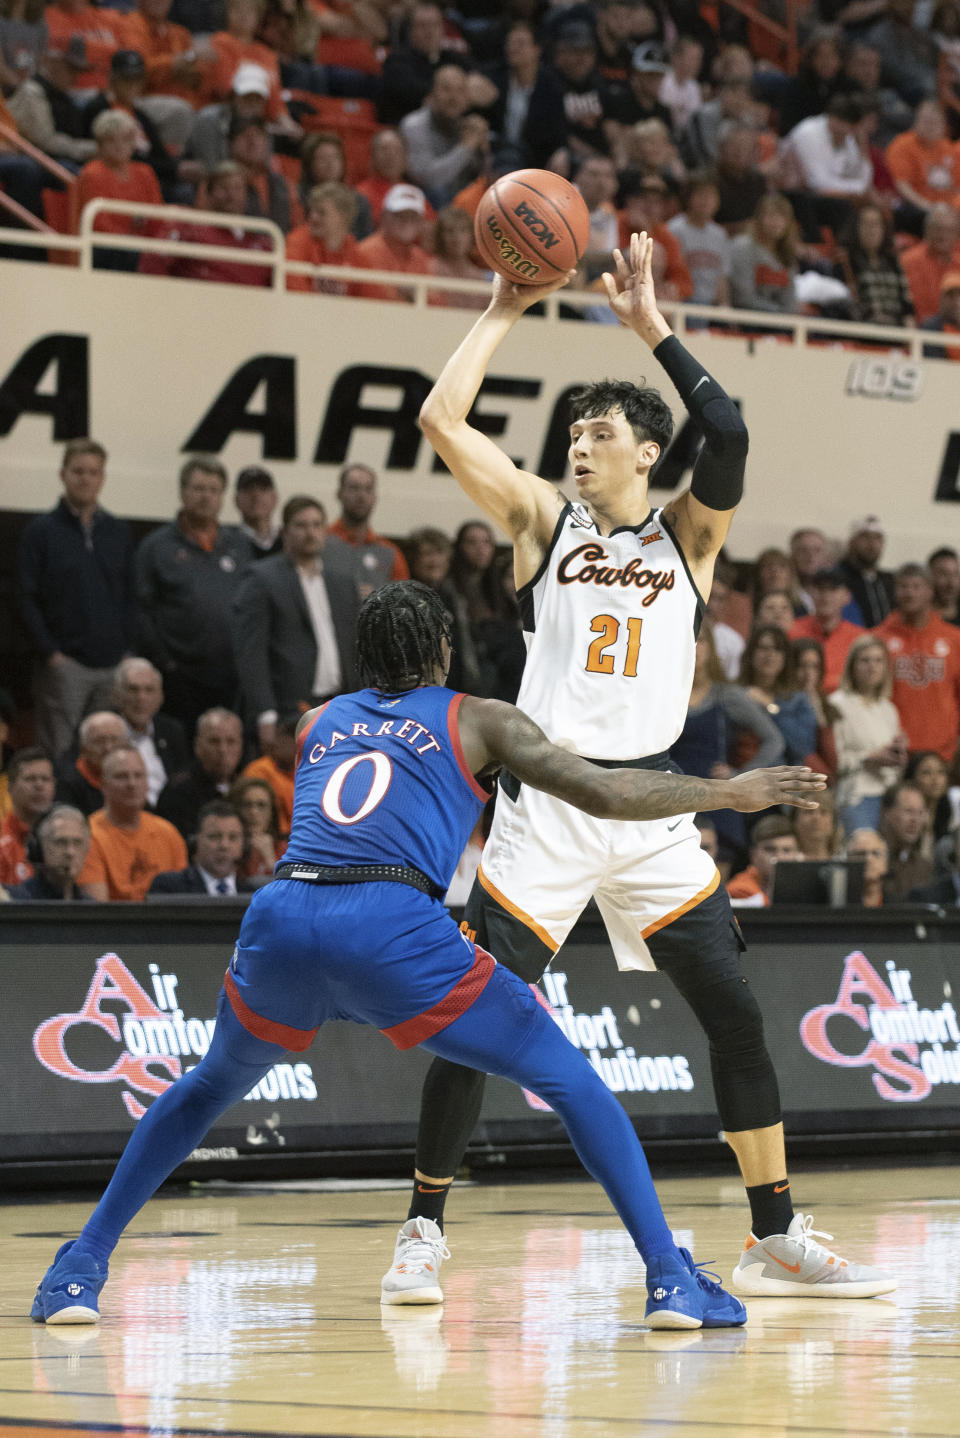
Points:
x=216, y=809
x=400, y=634
x=206, y=464
x=911, y=570
x=238, y=792
x=485, y=587
x=803, y=646
x=784, y=681
x=313, y=143
x=698, y=179
x=22, y=758
x=944, y=552
x=297, y=504
x=773, y=826
x=850, y=238
x=850, y=108
x=891, y=795
x=644, y=408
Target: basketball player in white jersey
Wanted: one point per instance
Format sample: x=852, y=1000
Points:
x=612, y=593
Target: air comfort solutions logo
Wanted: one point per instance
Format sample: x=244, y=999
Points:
x=911, y=1049
x=153, y=1034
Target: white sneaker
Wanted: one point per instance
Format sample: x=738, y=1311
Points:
x=415, y=1275
x=794, y=1265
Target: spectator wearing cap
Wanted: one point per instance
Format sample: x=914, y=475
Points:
x=827, y=625
x=159, y=738
x=705, y=244
x=217, y=849
x=269, y=194
x=78, y=775
x=409, y=68
x=187, y=575
x=925, y=654
x=209, y=140
x=447, y=147
x=226, y=195
x=644, y=201
x=584, y=94
x=871, y=588
x=62, y=842
x=323, y=161
x=377, y=559
x=528, y=114
x=45, y=111
x=927, y=264
x=325, y=239
x=824, y=166
x=128, y=846
x=101, y=31
x=236, y=46
x=943, y=566
x=125, y=90
x=115, y=175
x=636, y=99
x=294, y=621
x=75, y=595
x=925, y=165
x=30, y=787
x=396, y=245
x=763, y=259
x=255, y=497
x=947, y=318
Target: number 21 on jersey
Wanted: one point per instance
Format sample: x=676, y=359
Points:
x=607, y=629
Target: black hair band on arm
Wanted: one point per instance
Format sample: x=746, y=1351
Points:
x=718, y=473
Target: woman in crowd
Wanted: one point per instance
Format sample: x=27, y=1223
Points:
x=255, y=802
x=931, y=775
x=493, y=613
x=325, y=239
x=429, y=552
x=773, y=572
x=820, y=836
x=809, y=669
x=871, y=745
x=763, y=261
x=809, y=90
x=766, y=672
x=453, y=243
x=869, y=267
x=718, y=715
x=776, y=608
x=323, y=160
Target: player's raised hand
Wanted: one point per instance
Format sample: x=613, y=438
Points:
x=513, y=299
x=765, y=788
x=631, y=293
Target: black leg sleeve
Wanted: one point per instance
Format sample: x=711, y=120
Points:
x=718, y=473
x=449, y=1109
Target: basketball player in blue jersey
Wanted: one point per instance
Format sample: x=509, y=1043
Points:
x=611, y=595
x=353, y=927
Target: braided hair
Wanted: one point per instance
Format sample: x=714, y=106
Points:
x=400, y=634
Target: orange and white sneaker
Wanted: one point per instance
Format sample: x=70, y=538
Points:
x=415, y=1274
x=794, y=1265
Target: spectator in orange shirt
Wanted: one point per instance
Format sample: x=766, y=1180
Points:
x=377, y=559
x=644, y=201
x=276, y=768
x=396, y=244
x=388, y=167
x=115, y=175
x=947, y=318
x=325, y=239
x=102, y=31
x=926, y=264
x=773, y=842
x=235, y=46
x=30, y=789
x=128, y=847
x=925, y=654
x=178, y=66
x=925, y=165
x=827, y=625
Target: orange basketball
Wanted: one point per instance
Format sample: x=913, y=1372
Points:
x=531, y=226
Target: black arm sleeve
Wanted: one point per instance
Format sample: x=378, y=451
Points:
x=718, y=472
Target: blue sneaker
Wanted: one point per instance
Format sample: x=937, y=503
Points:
x=69, y=1289
x=682, y=1295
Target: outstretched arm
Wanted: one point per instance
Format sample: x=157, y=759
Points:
x=521, y=503
x=701, y=517
x=493, y=732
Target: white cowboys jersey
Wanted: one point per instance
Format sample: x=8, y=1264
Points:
x=610, y=623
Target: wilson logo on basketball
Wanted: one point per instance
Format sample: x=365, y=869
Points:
x=586, y=565
x=536, y=225
x=508, y=252
x=909, y=1047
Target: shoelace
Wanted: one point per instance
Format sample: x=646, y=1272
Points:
x=418, y=1252
x=706, y=1276
x=807, y=1238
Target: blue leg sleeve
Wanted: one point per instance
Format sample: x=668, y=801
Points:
x=175, y=1123
x=507, y=1032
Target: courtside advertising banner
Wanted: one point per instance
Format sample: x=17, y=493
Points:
x=863, y=1031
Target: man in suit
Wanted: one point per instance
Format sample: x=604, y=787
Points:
x=217, y=851
x=294, y=623
x=138, y=696
x=217, y=752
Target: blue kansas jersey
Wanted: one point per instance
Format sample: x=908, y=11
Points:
x=381, y=779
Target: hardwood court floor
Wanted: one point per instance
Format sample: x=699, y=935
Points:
x=258, y=1313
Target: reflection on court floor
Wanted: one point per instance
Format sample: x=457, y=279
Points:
x=235, y=1313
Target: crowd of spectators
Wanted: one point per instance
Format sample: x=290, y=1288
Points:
x=156, y=755
x=365, y=128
